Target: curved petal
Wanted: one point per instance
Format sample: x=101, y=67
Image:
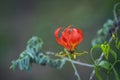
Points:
x=56, y=35
x=57, y=31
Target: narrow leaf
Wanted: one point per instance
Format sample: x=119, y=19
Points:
x=113, y=53
x=20, y=65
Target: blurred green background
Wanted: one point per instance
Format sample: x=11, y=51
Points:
x=22, y=19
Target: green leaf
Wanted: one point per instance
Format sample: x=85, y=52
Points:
x=32, y=55
x=54, y=63
x=116, y=39
x=116, y=75
x=14, y=65
x=104, y=64
x=118, y=45
x=26, y=62
x=38, y=58
x=45, y=60
x=100, y=32
x=42, y=59
x=21, y=65
x=57, y=63
x=108, y=24
x=106, y=49
x=23, y=54
x=97, y=41
x=34, y=45
x=29, y=55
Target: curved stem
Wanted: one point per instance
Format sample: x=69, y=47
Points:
x=114, y=11
x=114, y=64
x=91, y=55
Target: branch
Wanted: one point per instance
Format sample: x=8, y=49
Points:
x=75, y=69
x=73, y=61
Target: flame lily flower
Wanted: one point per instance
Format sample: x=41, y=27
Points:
x=70, y=37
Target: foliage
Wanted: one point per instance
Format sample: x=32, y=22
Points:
x=106, y=63
x=33, y=54
x=108, y=42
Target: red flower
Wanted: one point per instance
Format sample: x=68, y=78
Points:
x=69, y=38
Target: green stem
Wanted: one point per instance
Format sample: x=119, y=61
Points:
x=114, y=64
x=108, y=75
x=97, y=73
x=114, y=11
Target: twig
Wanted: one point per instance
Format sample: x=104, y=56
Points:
x=79, y=63
x=75, y=69
x=93, y=72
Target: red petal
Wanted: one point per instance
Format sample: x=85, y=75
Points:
x=56, y=35
x=57, y=31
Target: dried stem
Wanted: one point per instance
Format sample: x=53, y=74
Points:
x=79, y=63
